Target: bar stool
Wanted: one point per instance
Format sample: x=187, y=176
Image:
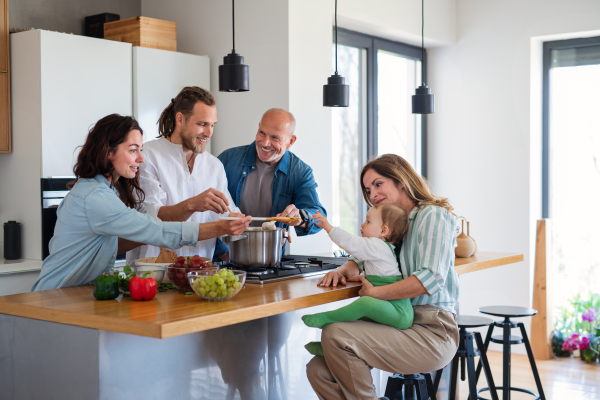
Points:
x=506, y=339
x=466, y=352
x=421, y=382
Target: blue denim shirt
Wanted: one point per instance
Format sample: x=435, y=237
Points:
x=293, y=183
x=90, y=220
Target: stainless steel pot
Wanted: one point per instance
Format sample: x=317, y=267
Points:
x=256, y=247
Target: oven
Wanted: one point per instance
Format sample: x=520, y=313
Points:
x=54, y=191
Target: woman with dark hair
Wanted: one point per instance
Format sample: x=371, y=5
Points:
x=426, y=260
x=98, y=218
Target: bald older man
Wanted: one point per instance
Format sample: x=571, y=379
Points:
x=265, y=179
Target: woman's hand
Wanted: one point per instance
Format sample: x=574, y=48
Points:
x=322, y=222
x=235, y=227
x=332, y=278
x=367, y=287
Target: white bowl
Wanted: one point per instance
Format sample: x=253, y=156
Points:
x=151, y=262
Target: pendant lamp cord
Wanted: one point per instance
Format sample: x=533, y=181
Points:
x=233, y=22
x=336, y=71
x=422, y=42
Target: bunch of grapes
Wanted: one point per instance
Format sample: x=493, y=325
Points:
x=177, y=272
x=223, y=285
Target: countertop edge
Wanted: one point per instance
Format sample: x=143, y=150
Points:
x=182, y=327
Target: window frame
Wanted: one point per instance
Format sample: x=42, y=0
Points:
x=372, y=44
x=547, y=63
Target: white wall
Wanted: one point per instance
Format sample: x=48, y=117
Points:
x=480, y=150
x=204, y=28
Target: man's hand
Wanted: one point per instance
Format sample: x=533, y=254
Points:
x=235, y=227
x=292, y=212
x=321, y=221
x=209, y=200
x=367, y=287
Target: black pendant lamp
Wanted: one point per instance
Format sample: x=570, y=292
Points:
x=234, y=76
x=336, y=93
x=423, y=102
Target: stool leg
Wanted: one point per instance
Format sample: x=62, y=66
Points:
x=430, y=390
x=486, y=366
x=536, y=375
x=394, y=385
x=421, y=388
x=453, y=378
x=470, y=358
x=438, y=378
x=506, y=360
x=488, y=337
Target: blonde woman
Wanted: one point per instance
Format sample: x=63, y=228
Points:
x=426, y=259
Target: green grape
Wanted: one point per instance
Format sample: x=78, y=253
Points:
x=237, y=285
x=223, y=272
x=237, y=278
x=209, y=280
x=202, y=291
x=212, y=293
x=223, y=288
x=230, y=291
x=230, y=279
x=203, y=284
x=219, y=292
x=220, y=281
x=230, y=273
x=213, y=288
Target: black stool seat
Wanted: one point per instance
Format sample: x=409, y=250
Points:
x=511, y=339
x=473, y=321
x=508, y=311
x=422, y=384
x=507, y=340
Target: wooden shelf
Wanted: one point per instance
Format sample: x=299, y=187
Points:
x=5, y=131
x=173, y=314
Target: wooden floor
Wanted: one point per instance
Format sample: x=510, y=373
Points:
x=566, y=379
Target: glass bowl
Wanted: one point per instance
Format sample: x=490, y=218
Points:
x=217, y=284
x=179, y=279
x=156, y=271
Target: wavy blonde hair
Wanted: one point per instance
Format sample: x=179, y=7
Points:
x=400, y=171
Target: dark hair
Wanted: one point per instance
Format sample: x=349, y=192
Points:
x=401, y=172
x=184, y=103
x=395, y=219
x=106, y=135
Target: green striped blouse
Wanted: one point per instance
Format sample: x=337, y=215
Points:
x=427, y=252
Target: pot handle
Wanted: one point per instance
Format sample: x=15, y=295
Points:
x=233, y=238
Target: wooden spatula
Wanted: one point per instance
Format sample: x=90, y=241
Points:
x=166, y=256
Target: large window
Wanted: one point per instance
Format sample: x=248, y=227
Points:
x=382, y=76
x=571, y=169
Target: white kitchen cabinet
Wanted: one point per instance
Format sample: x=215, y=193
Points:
x=60, y=86
x=158, y=76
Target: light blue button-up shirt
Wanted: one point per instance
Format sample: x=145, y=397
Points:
x=90, y=220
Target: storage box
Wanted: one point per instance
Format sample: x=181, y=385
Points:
x=144, y=32
x=94, y=24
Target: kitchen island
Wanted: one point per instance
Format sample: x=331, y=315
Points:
x=63, y=344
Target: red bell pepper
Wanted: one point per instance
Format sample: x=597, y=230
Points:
x=142, y=288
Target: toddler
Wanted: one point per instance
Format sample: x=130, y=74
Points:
x=384, y=227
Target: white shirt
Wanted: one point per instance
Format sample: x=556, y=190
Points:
x=372, y=255
x=166, y=181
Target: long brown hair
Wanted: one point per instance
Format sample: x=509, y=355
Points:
x=106, y=135
x=401, y=172
x=184, y=103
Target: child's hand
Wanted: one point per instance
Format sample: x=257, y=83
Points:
x=322, y=222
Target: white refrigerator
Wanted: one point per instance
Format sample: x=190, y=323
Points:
x=158, y=76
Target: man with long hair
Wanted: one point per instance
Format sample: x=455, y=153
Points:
x=182, y=182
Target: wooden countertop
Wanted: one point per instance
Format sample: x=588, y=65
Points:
x=173, y=314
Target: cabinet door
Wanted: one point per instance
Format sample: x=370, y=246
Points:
x=3, y=35
x=5, y=144
x=83, y=79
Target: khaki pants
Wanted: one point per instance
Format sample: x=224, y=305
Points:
x=352, y=348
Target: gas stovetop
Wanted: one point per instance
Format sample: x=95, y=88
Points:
x=290, y=267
